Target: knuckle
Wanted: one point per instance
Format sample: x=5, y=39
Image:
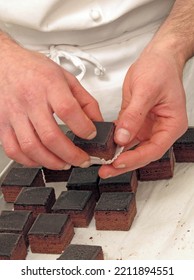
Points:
x=27, y=146
x=64, y=110
x=11, y=151
x=48, y=137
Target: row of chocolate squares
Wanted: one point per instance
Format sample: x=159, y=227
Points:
x=76, y=178
x=13, y=246
x=47, y=225
x=86, y=179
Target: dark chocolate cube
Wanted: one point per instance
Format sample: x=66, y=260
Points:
x=56, y=175
x=51, y=233
x=184, y=147
x=12, y=247
x=103, y=145
x=84, y=179
x=82, y=252
x=159, y=169
x=115, y=211
x=126, y=182
x=16, y=222
x=78, y=204
x=37, y=200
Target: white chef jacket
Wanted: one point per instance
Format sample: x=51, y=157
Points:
x=110, y=34
x=100, y=37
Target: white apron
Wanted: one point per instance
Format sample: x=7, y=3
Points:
x=99, y=35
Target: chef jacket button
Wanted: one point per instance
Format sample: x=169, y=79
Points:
x=95, y=14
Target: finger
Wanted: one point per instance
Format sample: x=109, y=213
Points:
x=88, y=103
x=55, y=140
x=132, y=118
x=70, y=112
x=31, y=145
x=12, y=149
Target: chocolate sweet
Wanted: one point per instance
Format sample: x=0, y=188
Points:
x=37, y=200
x=84, y=179
x=12, y=247
x=126, y=182
x=16, y=222
x=159, y=169
x=184, y=147
x=115, y=211
x=82, y=252
x=50, y=233
x=18, y=178
x=56, y=175
x=78, y=204
x=103, y=145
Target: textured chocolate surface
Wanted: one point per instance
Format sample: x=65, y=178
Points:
x=72, y=200
x=56, y=175
x=83, y=176
x=117, y=180
x=20, y=176
x=102, y=145
x=114, y=201
x=187, y=137
x=13, y=220
x=103, y=132
x=80, y=252
x=49, y=224
x=34, y=196
x=8, y=241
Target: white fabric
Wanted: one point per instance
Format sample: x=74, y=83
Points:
x=111, y=34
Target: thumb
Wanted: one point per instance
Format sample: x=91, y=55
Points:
x=132, y=118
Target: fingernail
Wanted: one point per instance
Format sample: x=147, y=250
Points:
x=109, y=176
x=85, y=164
x=67, y=167
x=123, y=135
x=120, y=166
x=92, y=135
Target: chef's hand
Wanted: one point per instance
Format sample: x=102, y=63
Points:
x=153, y=111
x=32, y=89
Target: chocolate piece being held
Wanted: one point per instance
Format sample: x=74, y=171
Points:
x=126, y=182
x=159, y=169
x=82, y=252
x=184, y=147
x=50, y=233
x=115, y=211
x=37, y=200
x=16, y=222
x=18, y=178
x=12, y=247
x=78, y=204
x=84, y=179
x=103, y=145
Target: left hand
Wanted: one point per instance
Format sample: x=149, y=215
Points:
x=153, y=111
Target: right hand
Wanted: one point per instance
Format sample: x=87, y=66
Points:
x=33, y=88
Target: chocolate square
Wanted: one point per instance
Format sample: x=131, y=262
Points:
x=159, y=169
x=12, y=247
x=16, y=222
x=103, y=145
x=184, y=147
x=82, y=252
x=126, y=182
x=37, y=200
x=78, y=204
x=84, y=179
